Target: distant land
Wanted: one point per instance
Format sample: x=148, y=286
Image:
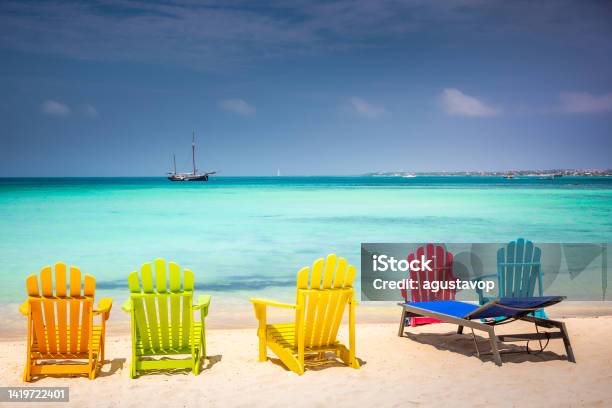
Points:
x=507, y=173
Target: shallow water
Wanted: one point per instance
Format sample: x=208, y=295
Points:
x=245, y=235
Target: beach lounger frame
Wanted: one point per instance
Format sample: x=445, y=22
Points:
x=523, y=314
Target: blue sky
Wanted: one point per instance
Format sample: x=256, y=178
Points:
x=114, y=88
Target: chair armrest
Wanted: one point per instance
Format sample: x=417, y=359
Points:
x=261, y=305
x=267, y=302
x=127, y=306
x=202, y=302
x=104, y=307
x=23, y=309
x=482, y=299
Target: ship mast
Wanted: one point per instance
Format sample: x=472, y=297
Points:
x=193, y=152
x=174, y=162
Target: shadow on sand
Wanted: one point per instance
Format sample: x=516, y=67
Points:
x=208, y=364
x=464, y=344
x=109, y=368
x=313, y=362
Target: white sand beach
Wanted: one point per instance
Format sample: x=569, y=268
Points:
x=429, y=366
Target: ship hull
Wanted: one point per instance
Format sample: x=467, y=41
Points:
x=200, y=177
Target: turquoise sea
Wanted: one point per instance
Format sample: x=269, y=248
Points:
x=243, y=235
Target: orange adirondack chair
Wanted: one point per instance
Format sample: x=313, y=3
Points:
x=60, y=324
x=442, y=270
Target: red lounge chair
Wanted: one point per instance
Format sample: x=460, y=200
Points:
x=441, y=270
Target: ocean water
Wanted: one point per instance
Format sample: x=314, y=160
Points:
x=247, y=235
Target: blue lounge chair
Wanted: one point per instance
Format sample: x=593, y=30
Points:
x=497, y=311
x=519, y=268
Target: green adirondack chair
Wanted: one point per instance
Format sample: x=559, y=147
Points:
x=162, y=319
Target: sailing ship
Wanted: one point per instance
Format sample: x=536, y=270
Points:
x=194, y=175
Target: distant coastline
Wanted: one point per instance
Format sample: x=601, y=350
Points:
x=531, y=173
x=549, y=173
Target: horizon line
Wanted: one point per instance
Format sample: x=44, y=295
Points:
x=493, y=173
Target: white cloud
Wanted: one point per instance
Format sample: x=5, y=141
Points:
x=54, y=108
x=90, y=111
x=584, y=102
x=238, y=106
x=457, y=103
x=366, y=109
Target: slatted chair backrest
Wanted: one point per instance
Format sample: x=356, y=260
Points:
x=441, y=271
x=163, y=313
x=519, y=268
x=61, y=319
x=324, y=292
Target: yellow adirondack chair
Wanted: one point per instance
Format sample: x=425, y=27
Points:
x=319, y=308
x=60, y=324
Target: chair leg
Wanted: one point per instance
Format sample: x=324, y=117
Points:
x=99, y=362
x=352, y=346
x=26, y=371
x=133, y=368
x=402, y=324
x=102, y=353
x=566, y=342
x=347, y=357
x=93, y=367
x=263, y=355
x=201, y=353
x=494, y=349
x=195, y=369
x=203, y=345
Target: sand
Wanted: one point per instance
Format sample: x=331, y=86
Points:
x=429, y=366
